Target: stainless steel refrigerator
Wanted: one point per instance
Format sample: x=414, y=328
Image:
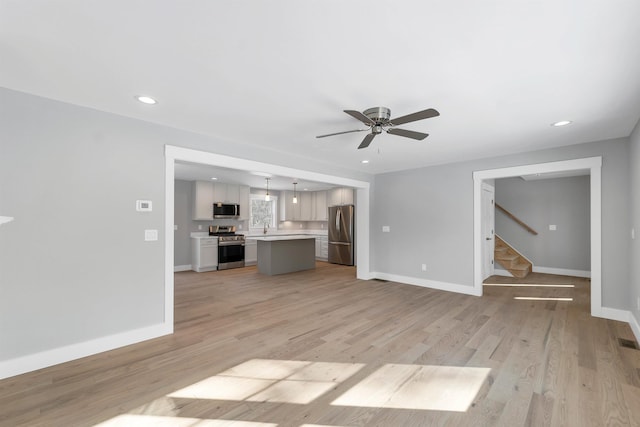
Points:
x=341, y=234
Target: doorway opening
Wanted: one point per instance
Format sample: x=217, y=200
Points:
x=594, y=166
x=173, y=154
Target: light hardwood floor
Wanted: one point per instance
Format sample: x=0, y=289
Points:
x=323, y=348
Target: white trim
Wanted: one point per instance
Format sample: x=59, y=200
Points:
x=491, y=189
x=178, y=268
x=169, y=208
x=31, y=362
x=562, y=271
x=594, y=164
x=635, y=327
x=615, y=314
x=173, y=153
x=425, y=283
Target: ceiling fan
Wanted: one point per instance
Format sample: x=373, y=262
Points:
x=378, y=119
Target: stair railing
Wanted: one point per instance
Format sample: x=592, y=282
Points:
x=517, y=220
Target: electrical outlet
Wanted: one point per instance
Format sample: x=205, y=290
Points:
x=386, y=229
x=553, y=227
x=424, y=267
x=633, y=234
x=150, y=235
x=199, y=227
x=175, y=227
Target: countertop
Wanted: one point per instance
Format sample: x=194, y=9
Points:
x=276, y=238
x=302, y=234
x=202, y=235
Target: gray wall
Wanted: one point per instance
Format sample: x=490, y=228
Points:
x=634, y=245
x=430, y=212
x=74, y=265
x=563, y=202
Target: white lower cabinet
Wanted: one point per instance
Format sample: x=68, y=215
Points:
x=204, y=254
x=322, y=248
x=250, y=252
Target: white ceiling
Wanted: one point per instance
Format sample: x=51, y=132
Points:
x=278, y=73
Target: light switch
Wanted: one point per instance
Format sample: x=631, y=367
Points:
x=175, y=227
x=144, y=205
x=552, y=227
x=386, y=229
x=150, y=235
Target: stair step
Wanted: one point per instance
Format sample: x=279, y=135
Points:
x=521, y=267
x=508, y=257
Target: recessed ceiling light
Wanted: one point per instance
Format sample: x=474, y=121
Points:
x=214, y=178
x=364, y=161
x=146, y=100
x=561, y=123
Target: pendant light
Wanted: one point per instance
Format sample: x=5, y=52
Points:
x=267, y=197
x=295, y=196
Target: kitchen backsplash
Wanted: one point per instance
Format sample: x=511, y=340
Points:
x=302, y=225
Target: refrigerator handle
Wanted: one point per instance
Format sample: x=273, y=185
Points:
x=338, y=220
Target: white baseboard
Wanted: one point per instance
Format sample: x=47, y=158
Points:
x=614, y=314
x=561, y=271
x=32, y=362
x=181, y=268
x=425, y=283
x=635, y=327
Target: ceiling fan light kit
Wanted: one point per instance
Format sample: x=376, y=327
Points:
x=378, y=119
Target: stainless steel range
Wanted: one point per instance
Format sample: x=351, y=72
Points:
x=230, y=246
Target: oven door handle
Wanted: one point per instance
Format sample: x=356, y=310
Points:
x=230, y=244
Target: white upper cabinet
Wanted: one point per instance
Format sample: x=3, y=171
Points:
x=202, y=195
x=205, y=194
x=301, y=211
x=289, y=211
x=245, y=202
x=305, y=200
x=226, y=193
x=320, y=206
x=340, y=196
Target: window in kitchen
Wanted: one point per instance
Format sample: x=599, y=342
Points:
x=263, y=213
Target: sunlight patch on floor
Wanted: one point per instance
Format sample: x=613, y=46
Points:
x=393, y=386
x=543, y=299
x=530, y=285
x=437, y=388
x=262, y=380
x=130, y=420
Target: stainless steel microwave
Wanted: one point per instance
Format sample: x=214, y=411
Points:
x=226, y=210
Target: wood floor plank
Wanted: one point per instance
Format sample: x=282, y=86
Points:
x=544, y=362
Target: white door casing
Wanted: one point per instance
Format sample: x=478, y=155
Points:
x=488, y=227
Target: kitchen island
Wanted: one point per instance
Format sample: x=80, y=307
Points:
x=285, y=254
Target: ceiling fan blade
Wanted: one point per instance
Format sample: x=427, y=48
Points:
x=366, y=141
x=420, y=115
x=408, y=133
x=358, y=115
x=340, y=133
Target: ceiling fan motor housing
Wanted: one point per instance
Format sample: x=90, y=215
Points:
x=380, y=115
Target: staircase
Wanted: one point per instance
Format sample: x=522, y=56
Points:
x=511, y=259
